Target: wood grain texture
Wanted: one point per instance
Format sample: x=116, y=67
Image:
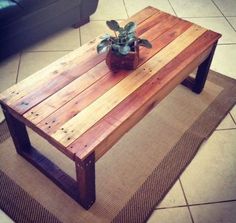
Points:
x=142, y=15
x=51, y=104
x=138, y=104
x=57, y=118
x=48, y=106
x=41, y=78
x=79, y=124
x=24, y=95
x=45, y=108
x=81, y=107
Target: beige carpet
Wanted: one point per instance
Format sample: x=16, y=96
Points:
x=133, y=177
x=1, y=116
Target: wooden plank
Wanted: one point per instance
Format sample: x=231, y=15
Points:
x=94, y=112
x=51, y=104
x=50, y=72
x=131, y=110
x=55, y=84
x=45, y=108
x=83, y=65
x=159, y=28
x=142, y=15
x=51, y=123
x=73, y=107
x=83, y=146
x=157, y=18
x=48, y=106
x=59, y=68
x=40, y=78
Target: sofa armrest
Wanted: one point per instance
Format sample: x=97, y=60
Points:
x=88, y=7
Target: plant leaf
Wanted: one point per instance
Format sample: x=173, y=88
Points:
x=113, y=25
x=145, y=43
x=115, y=47
x=131, y=41
x=123, y=40
x=131, y=35
x=124, y=50
x=130, y=27
x=105, y=37
x=103, y=46
x=121, y=31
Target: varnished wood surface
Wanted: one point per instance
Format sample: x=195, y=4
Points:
x=80, y=106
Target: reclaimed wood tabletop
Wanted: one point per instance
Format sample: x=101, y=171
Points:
x=83, y=108
x=80, y=106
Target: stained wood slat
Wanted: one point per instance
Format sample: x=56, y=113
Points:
x=54, y=85
x=79, y=124
x=124, y=116
x=32, y=99
x=58, y=118
x=85, y=64
x=157, y=18
x=142, y=15
x=15, y=96
x=44, y=109
x=55, y=111
x=42, y=77
x=51, y=104
x=77, y=104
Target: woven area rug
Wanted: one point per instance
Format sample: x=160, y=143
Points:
x=134, y=176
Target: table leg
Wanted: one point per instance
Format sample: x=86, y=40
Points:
x=202, y=72
x=82, y=190
x=198, y=83
x=85, y=172
x=18, y=132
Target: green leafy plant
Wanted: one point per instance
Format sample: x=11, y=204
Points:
x=123, y=41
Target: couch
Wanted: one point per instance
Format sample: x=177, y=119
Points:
x=24, y=22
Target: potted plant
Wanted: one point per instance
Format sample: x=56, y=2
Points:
x=123, y=47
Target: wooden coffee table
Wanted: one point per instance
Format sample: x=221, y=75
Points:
x=83, y=109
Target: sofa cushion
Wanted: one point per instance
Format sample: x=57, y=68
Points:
x=9, y=11
x=31, y=5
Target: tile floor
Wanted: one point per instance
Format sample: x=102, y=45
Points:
x=198, y=196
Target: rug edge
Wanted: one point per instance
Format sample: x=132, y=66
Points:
x=129, y=211
x=15, y=207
